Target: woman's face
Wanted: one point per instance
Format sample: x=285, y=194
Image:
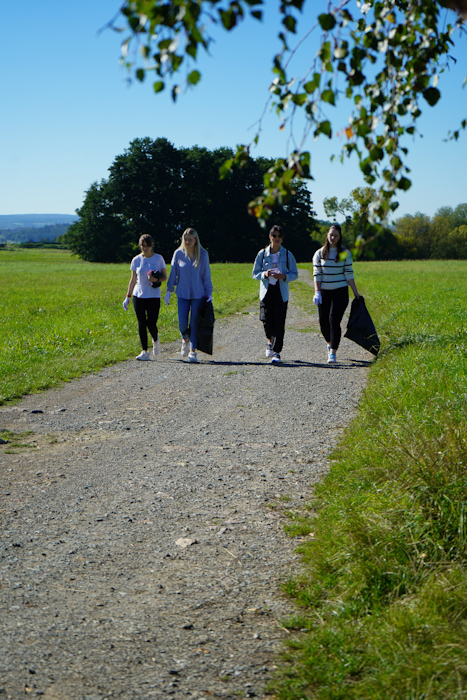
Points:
x=190, y=241
x=275, y=239
x=333, y=236
x=146, y=249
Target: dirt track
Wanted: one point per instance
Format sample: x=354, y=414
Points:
x=143, y=544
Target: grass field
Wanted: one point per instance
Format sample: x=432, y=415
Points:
x=382, y=600
x=63, y=317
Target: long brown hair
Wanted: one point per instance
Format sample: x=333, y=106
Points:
x=326, y=246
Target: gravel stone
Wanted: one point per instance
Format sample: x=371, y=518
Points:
x=143, y=547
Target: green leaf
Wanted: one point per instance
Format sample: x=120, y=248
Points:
x=325, y=52
x=404, y=184
x=328, y=96
x=229, y=19
x=140, y=73
x=431, y=95
x=324, y=128
x=225, y=168
x=289, y=23
x=158, y=86
x=299, y=99
x=327, y=22
x=194, y=77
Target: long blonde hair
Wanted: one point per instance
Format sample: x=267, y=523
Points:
x=198, y=247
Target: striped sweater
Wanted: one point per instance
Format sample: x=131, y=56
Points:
x=332, y=274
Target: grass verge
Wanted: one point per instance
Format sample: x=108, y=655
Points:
x=63, y=317
x=382, y=600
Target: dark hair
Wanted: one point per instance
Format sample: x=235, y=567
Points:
x=147, y=239
x=277, y=228
x=326, y=246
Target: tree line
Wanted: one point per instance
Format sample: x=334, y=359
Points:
x=411, y=237
x=156, y=188
x=29, y=234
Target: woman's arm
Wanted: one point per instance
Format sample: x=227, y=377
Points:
x=317, y=270
x=206, y=274
x=172, y=281
x=292, y=273
x=162, y=276
x=353, y=287
x=258, y=273
x=132, y=283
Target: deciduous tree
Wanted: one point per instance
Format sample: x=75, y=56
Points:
x=385, y=57
x=156, y=188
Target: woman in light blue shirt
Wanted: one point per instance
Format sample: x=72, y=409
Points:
x=275, y=267
x=190, y=275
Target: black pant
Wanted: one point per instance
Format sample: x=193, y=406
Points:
x=331, y=310
x=272, y=312
x=147, y=313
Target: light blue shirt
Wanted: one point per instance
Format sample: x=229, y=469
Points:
x=190, y=282
x=264, y=262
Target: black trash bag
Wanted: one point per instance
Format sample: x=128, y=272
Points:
x=157, y=275
x=205, y=327
x=360, y=327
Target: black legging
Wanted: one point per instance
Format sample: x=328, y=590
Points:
x=147, y=313
x=273, y=311
x=331, y=310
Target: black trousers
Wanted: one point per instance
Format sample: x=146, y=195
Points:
x=272, y=312
x=147, y=313
x=331, y=310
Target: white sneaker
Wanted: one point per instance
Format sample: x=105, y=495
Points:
x=156, y=347
x=269, y=350
x=332, y=358
x=192, y=357
x=185, y=348
x=276, y=358
x=144, y=355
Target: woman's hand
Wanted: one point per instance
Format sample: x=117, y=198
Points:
x=167, y=298
x=277, y=275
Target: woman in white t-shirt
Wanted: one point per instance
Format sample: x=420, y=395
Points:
x=333, y=275
x=145, y=287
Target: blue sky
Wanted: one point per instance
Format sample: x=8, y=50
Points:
x=67, y=111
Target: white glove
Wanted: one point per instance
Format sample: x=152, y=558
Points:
x=167, y=298
x=125, y=303
x=209, y=299
x=317, y=298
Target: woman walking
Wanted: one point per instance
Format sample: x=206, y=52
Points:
x=145, y=287
x=275, y=267
x=190, y=275
x=333, y=275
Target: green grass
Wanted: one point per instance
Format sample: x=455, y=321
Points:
x=383, y=595
x=63, y=317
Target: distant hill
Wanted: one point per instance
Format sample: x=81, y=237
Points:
x=14, y=221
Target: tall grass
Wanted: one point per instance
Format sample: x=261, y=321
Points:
x=62, y=317
x=383, y=595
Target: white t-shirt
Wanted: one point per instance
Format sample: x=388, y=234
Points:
x=141, y=265
x=274, y=268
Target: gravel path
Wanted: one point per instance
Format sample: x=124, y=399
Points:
x=142, y=532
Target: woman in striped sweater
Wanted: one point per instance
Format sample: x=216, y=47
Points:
x=333, y=275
